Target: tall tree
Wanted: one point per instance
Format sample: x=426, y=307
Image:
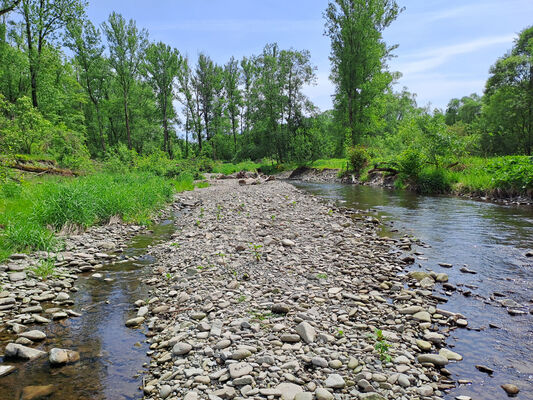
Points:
x=162, y=67
x=358, y=56
x=187, y=96
x=204, y=80
x=84, y=39
x=232, y=77
x=43, y=20
x=127, y=45
x=509, y=97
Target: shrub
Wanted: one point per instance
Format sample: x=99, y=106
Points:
x=358, y=158
x=433, y=180
x=410, y=164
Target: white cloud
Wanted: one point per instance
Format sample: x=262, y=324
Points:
x=429, y=59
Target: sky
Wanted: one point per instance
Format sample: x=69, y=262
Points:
x=446, y=47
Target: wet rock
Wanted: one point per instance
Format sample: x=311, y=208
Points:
x=6, y=369
x=134, y=321
x=423, y=316
x=510, y=389
x=14, y=350
x=37, y=392
x=450, y=355
x=33, y=335
x=434, y=359
x=425, y=390
x=63, y=356
x=485, y=369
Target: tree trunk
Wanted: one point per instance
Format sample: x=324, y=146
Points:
x=127, y=119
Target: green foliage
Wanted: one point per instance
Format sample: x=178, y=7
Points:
x=433, y=180
x=512, y=172
x=44, y=269
x=255, y=248
x=410, y=163
x=381, y=346
x=358, y=158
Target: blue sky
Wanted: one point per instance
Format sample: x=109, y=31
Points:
x=446, y=47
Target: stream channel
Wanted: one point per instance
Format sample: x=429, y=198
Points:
x=491, y=240
x=111, y=355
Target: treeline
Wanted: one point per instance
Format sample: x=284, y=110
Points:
x=74, y=90
x=67, y=85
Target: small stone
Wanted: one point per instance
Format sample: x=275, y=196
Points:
x=241, y=354
x=323, y=394
x=6, y=369
x=33, y=335
x=425, y=390
x=335, y=381
x=181, y=348
x=319, y=362
x=191, y=396
x=371, y=396
x=142, y=311
x=434, y=359
x=485, y=369
x=510, y=389
x=239, y=369
x=37, y=392
x=450, y=355
x=303, y=396
x=287, y=243
x=280, y=308
x=14, y=350
x=135, y=321
x=198, y=316
x=423, y=316
x=17, y=276
x=306, y=332
x=288, y=390
x=63, y=356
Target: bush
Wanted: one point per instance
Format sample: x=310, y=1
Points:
x=410, y=164
x=433, y=180
x=515, y=173
x=357, y=158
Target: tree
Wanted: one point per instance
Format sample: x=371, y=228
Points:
x=7, y=6
x=508, y=109
x=204, y=81
x=85, y=41
x=232, y=77
x=358, y=55
x=466, y=110
x=43, y=20
x=162, y=68
x=127, y=45
x=187, y=96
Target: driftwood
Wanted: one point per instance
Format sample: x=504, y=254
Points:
x=384, y=169
x=43, y=170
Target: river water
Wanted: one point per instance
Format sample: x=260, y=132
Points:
x=489, y=239
x=111, y=355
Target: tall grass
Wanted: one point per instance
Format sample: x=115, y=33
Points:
x=31, y=214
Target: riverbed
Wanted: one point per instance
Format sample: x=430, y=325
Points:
x=489, y=239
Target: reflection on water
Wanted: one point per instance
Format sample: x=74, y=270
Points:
x=490, y=239
x=111, y=354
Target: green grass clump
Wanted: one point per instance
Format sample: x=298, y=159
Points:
x=229, y=168
x=31, y=214
x=44, y=269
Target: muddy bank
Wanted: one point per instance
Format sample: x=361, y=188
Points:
x=265, y=292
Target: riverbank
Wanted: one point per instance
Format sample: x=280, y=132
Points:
x=265, y=291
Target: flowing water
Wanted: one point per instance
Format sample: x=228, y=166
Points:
x=491, y=240
x=112, y=355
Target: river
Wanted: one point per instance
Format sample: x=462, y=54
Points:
x=491, y=240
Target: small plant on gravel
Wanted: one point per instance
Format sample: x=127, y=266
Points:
x=340, y=332
x=223, y=256
x=330, y=212
x=177, y=245
x=219, y=212
x=201, y=215
x=381, y=346
x=272, y=217
x=322, y=276
x=168, y=276
x=45, y=268
x=261, y=316
x=241, y=299
x=293, y=203
x=255, y=251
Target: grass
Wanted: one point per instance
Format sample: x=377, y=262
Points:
x=31, y=212
x=229, y=168
x=44, y=269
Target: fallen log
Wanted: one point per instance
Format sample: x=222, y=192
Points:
x=43, y=170
x=384, y=169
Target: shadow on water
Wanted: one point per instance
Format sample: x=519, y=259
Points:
x=492, y=240
x=112, y=355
